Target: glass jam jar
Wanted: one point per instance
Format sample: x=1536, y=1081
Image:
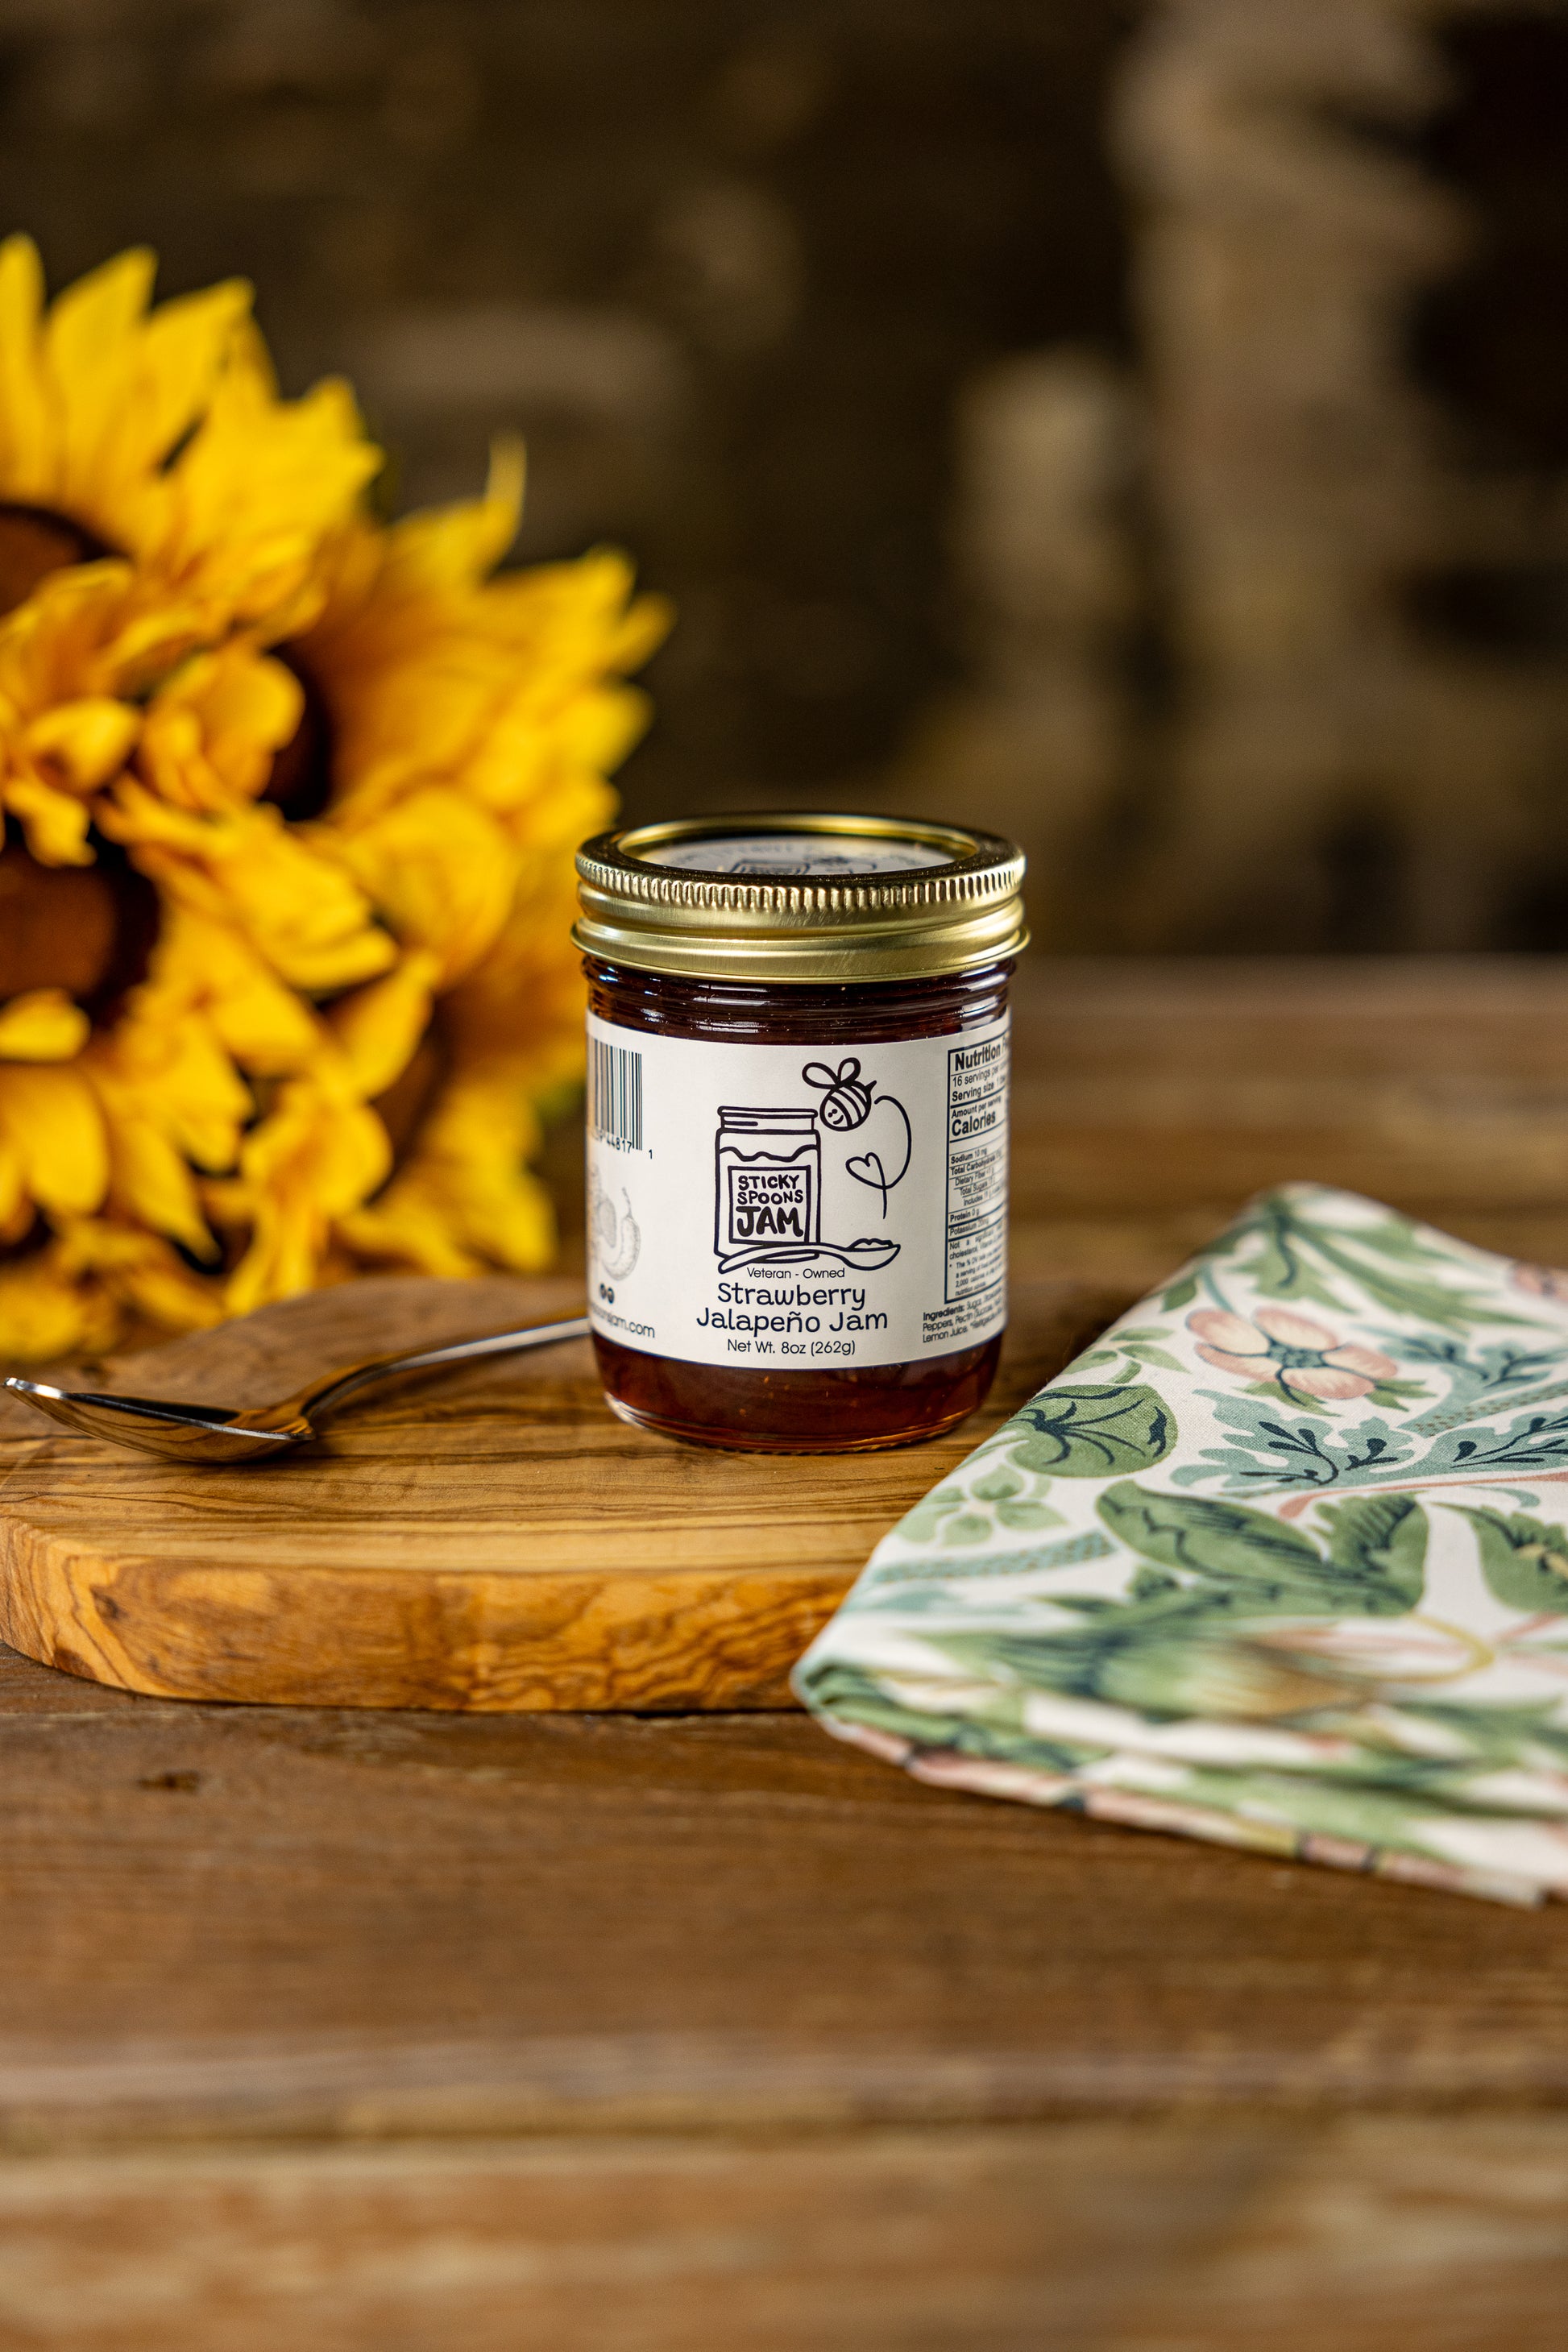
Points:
x=797, y=1125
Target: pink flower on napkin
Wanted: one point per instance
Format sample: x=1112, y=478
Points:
x=1289, y=1351
x=1541, y=1282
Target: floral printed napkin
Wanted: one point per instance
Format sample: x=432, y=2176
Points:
x=1279, y=1562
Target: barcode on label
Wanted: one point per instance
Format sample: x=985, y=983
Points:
x=614, y=1094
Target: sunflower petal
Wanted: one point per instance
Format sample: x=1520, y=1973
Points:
x=314, y=1158
x=50, y=1119
x=379, y=1027
x=183, y=346
x=260, y=485
x=85, y=741
x=26, y=447
x=264, y=1026
x=212, y=731
x=56, y=823
x=45, y=1312
x=152, y=1184
x=89, y=362
x=298, y=906
x=15, y=1208
x=441, y=871
x=43, y=1025
x=458, y=546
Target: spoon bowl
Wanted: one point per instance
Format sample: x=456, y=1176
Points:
x=221, y=1433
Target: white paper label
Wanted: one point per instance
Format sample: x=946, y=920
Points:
x=774, y=1207
x=783, y=855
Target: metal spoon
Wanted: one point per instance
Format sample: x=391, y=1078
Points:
x=203, y=1433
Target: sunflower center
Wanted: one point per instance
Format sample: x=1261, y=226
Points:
x=301, y=783
x=86, y=929
x=35, y=541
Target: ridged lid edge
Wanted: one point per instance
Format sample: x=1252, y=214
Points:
x=963, y=911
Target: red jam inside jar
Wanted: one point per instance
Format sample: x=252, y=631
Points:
x=797, y=1126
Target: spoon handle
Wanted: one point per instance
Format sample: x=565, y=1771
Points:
x=338, y=1385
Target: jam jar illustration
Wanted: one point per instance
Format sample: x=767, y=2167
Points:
x=768, y=1192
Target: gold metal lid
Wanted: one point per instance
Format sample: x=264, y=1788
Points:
x=800, y=898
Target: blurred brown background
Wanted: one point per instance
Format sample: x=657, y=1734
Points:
x=1144, y=428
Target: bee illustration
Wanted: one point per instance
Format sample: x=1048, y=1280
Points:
x=846, y=1096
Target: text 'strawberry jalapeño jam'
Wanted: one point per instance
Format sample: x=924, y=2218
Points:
x=798, y=1124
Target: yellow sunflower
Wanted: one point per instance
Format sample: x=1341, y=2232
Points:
x=473, y=722
x=157, y=436
x=333, y=771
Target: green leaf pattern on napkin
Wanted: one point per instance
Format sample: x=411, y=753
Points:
x=1278, y=1561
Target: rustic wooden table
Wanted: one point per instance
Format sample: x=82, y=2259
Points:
x=406, y=2030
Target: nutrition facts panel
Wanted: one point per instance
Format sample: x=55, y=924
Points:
x=976, y=1168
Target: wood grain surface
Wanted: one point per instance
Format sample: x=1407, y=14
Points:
x=370, y=2031
x=490, y=1537
x=1358, y=2235
x=312, y=1923
x=391, y=2031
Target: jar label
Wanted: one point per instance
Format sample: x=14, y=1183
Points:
x=776, y=1207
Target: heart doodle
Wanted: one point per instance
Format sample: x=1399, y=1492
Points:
x=870, y=1169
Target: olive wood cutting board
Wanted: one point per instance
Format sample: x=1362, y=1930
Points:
x=490, y=1537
